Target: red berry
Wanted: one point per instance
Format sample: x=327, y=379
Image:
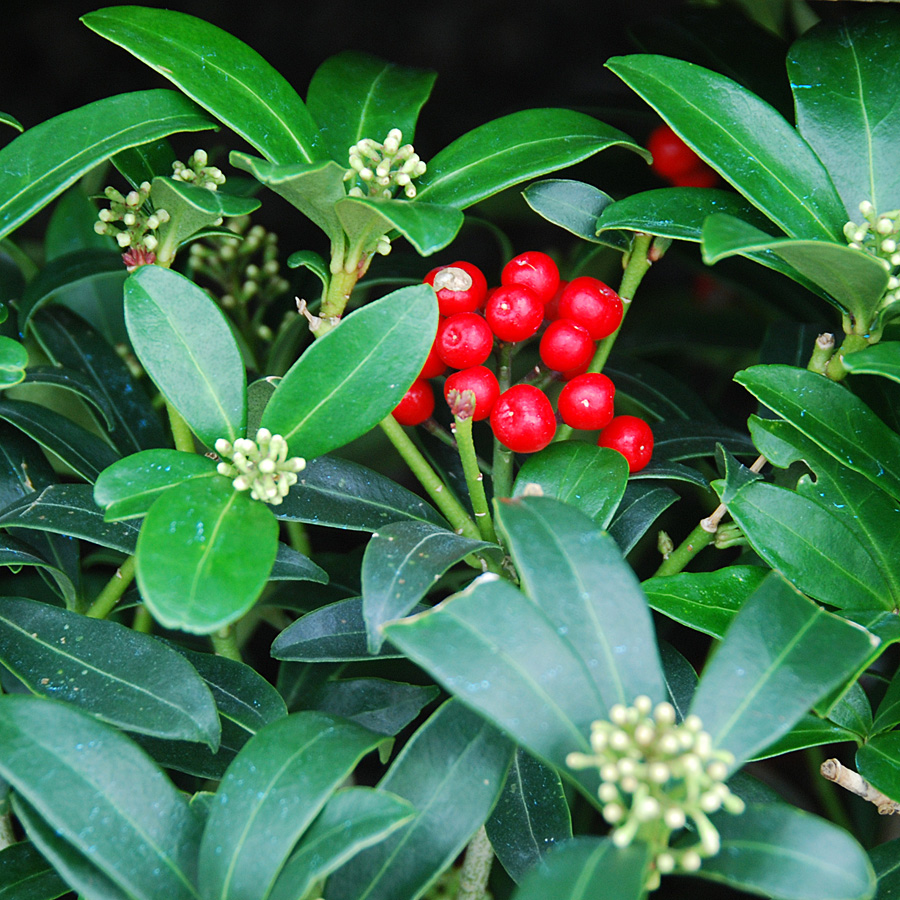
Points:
x=434, y=365
x=535, y=270
x=703, y=176
x=463, y=340
x=592, y=305
x=671, y=155
x=514, y=312
x=523, y=419
x=460, y=287
x=632, y=437
x=482, y=382
x=566, y=345
x=417, y=404
x=586, y=402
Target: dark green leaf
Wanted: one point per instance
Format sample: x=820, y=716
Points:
x=219, y=72
x=64, y=148
x=13, y=360
x=278, y=783
x=879, y=359
x=853, y=710
x=7, y=119
x=886, y=861
x=184, y=342
x=145, y=162
x=291, y=565
x=118, y=675
x=810, y=731
x=681, y=679
x=513, y=149
x=23, y=467
x=743, y=138
x=26, y=875
x=15, y=553
x=75, y=383
x=656, y=391
x=91, y=785
x=641, y=506
x=530, y=817
x=71, y=226
x=888, y=714
x=451, y=771
x=775, y=662
x=585, y=476
x=878, y=761
x=572, y=205
x=678, y=439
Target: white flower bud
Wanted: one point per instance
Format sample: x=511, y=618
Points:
x=664, y=713
x=674, y=817
x=123, y=239
x=690, y=861
x=866, y=208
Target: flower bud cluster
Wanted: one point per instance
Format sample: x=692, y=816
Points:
x=383, y=168
x=659, y=777
x=261, y=466
x=879, y=235
x=198, y=172
x=131, y=219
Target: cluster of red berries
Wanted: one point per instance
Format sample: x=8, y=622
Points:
x=532, y=300
x=674, y=161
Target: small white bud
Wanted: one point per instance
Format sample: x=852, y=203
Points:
x=123, y=239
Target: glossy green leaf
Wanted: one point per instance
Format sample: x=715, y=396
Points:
x=886, y=862
x=837, y=71
x=188, y=349
x=451, y=771
x=24, y=468
x=70, y=509
x=575, y=574
x=118, y=675
x=656, y=391
x=313, y=261
x=879, y=359
x=829, y=415
x=704, y=601
x=585, y=476
x=145, y=162
x=343, y=494
x=71, y=226
x=78, y=773
x=204, y=555
x=588, y=867
x=779, y=851
x=356, y=95
x=7, y=119
x=291, y=565
x=73, y=382
x=15, y=553
x=853, y=710
x=401, y=563
x=878, y=761
x=678, y=439
x=641, y=506
x=332, y=633
x=810, y=731
x=573, y=205
x=353, y=819
x=853, y=280
x=531, y=816
x=26, y=875
x=513, y=149
x=278, y=783
x=13, y=360
x=888, y=713
x=775, y=662
x=127, y=489
x=743, y=138
x=219, y=72
x=64, y=148
x=681, y=679
x=350, y=379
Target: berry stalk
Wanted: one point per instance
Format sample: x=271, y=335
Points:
x=474, y=479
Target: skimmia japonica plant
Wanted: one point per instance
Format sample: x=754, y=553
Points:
x=562, y=653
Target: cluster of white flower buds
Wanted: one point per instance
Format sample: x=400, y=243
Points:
x=198, y=172
x=659, y=777
x=261, y=466
x=131, y=219
x=879, y=235
x=384, y=167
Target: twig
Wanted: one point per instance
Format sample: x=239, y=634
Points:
x=856, y=784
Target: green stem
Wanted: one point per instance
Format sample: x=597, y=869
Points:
x=686, y=551
x=825, y=790
x=299, y=537
x=181, y=432
x=340, y=287
x=502, y=468
x=143, y=621
x=476, y=869
x=474, y=478
x=428, y=478
x=225, y=643
x=113, y=590
x=835, y=369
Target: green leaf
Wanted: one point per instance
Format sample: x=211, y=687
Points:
x=878, y=761
x=641, y=506
x=77, y=384
x=7, y=119
x=13, y=360
x=120, y=676
x=16, y=553
x=678, y=439
x=775, y=662
x=588, y=867
x=353, y=819
x=574, y=573
x=810, y=731
x=888, y=713
x=219, y=72
x=401, y=563
x=127, y=489
x=64, y=148
x=451, y=771
x=350, y=379
x=830, y=416
x=513, y=149
x=573, y=205
x=841, y=108
x=356, y=95
x=585, y=476
x=853, y=280
x=145, y=162
x=77, y=773
x=188, y=349
x=886, y=862
x=343, y=494
x=879, y=359
x=313, y=261
x=779, y=851
x=531, y=816
x=743, y=138
x=204, y=555
x=26, y=875
x=270, y=794
x=291, y=565
x=704, y=601
x=853, y=710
